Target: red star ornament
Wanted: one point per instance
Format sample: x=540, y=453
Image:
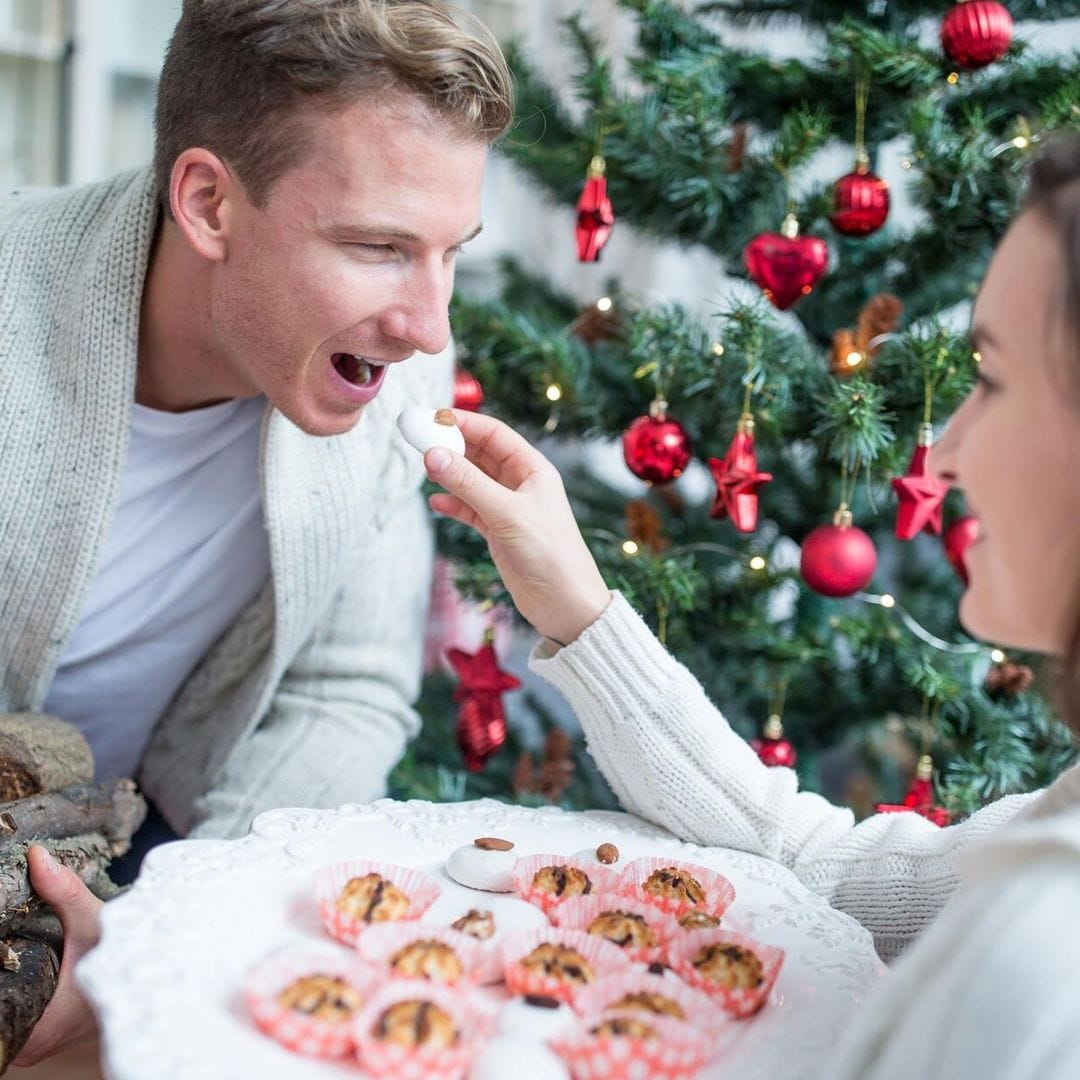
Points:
x=481, y=717
x=921, y=493
x=737, y=479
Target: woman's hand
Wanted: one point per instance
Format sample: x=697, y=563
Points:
x=514, y=497
x=67, y=1018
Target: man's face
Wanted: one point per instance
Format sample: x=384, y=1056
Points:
x=351, y=259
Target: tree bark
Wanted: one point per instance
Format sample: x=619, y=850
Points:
x=114, y=809
x=39, y=752
x=27, y=982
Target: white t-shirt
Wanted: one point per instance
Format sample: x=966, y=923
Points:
x=186, y=553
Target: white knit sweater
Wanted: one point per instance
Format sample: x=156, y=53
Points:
x=991, y=990
x=305, y=700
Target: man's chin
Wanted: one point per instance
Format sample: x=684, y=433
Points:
x=325, y=425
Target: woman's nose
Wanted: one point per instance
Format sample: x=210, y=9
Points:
x=943, y=459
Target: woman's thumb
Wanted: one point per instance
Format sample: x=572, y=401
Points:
x=62, y=889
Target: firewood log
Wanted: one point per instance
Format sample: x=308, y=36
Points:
x=28, y=972
x=39, y=752
x=113, y=809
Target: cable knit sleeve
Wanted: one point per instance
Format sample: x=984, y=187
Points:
x=671, y=757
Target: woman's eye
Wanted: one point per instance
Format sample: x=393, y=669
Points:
x=376, y=249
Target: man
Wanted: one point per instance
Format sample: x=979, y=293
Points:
x=215, y=553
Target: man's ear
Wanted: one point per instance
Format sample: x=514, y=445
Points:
x=202, y=193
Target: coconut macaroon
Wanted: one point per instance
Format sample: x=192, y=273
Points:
x=372, y=898
x=559, y=962
x=416, y=1023
x=674, y=883
x=324, y=997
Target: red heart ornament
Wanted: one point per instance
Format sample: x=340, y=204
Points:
x=784, y=265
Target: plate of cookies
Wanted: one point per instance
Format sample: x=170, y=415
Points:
x=469, y=941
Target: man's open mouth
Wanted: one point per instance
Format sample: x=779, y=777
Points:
x=358, y=370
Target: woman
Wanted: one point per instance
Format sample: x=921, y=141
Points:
x=992, y=987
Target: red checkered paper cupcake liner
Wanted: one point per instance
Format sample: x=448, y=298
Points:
x=602, y=957
x=294, y=1029
x=580, y=912
x=719, y=893
x=525, y=870
x=606, y=996
x=381, y=1058
x=421, y=890
x=738, y=1001
x=380, y=943
x=673, y=1051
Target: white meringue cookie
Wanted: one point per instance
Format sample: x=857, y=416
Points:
x=489, y=871
x=518, y=1019
x=523, y=1060
x=421, y=429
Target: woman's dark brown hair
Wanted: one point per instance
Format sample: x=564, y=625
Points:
x=1054, y=194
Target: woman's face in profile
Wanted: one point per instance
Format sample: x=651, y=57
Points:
x=1014, y=448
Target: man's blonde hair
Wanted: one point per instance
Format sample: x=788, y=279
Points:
x=243, y=77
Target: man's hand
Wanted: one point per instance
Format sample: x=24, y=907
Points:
x=67, y=1018
x=514, y=497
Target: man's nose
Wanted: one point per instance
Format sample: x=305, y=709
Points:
x=421, y=314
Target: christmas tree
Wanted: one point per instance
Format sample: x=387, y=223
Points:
x=815, y=424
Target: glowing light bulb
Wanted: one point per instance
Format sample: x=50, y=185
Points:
x=997, y=656
x=630, y=548
x=604, y=303
x=758, y=563
x=888, y=601
x=553, y=392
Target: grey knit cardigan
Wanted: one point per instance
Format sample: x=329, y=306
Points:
x=305, y=699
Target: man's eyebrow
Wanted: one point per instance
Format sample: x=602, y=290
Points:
x=365, y=232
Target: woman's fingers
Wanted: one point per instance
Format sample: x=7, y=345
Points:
x=452, y=507
x=497, y=448
x=469, y=483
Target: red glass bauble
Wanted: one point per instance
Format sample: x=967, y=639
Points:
x=977, y=33
x=786, y=268
x=775, y=752
x=860, y=203
x=959, y=536
x=656, y=448
x=468, y=393
x=838, y=560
